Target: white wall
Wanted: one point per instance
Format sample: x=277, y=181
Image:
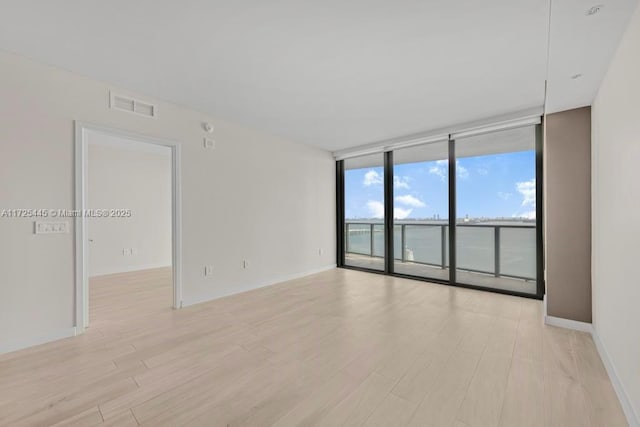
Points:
x=616, y=214
x=135, y=180
x=254, y=197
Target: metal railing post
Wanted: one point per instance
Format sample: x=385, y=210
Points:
x=371, y=227
x=443, y=246
x=403, y=242
x=346, y=238
x=496, y=238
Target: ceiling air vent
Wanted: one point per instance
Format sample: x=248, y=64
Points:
x=130, y=105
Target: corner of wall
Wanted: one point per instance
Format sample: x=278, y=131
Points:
x=623, y=396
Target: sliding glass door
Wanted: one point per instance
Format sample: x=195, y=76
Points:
x=364, y=236
x=496, y=210
x=421, y=211
x=463, y=210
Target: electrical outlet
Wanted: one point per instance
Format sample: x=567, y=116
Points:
x=209, y=143
x=245, y=264
x=208, y=270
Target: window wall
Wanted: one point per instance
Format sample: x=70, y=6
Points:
x=364, y=235
x=462, y=210
x=421, y=210
x=496, y=210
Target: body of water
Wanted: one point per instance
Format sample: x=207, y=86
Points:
x=476, y=248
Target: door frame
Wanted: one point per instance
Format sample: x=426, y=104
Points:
x=81, y=226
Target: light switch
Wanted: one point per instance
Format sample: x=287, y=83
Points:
x=51, y=227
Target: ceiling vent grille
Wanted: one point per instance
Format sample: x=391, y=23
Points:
x=131, y=105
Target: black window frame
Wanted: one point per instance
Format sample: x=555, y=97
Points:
x=389, y=223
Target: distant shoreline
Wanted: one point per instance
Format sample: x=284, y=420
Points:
x=459, y=221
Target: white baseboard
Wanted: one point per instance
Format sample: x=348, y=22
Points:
x=623, y=397
x=21, y=343
x=568, y=324
x=197, y=300
x=632, y=418
x=565, y=323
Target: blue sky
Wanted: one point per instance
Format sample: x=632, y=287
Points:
x=501, y=185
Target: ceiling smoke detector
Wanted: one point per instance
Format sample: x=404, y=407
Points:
x=593, y=10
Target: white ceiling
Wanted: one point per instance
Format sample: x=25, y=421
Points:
x=582, y=44
x=334, y=74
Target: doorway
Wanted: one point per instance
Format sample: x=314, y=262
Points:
x=127, y=224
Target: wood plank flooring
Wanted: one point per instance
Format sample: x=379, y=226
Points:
x=336, y=348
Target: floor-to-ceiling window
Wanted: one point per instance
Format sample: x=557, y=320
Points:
x=462, y=209
x=496, y=210
x=421, y=210
x=364, y=236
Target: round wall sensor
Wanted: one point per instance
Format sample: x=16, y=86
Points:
x=208, y=127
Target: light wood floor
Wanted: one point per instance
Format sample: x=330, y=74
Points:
x=337, y=348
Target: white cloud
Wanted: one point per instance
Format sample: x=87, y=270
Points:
x=528, y=215
x=462, y=171
x=409, y=200
x=525, y=215
x=372, y=178
x=375, y=208
x=401, y=182
x=504, y=196
x=528, y=191
x=440, y=169
x=399, y=213
x=482, y=171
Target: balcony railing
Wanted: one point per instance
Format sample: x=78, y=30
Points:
x=505, y=250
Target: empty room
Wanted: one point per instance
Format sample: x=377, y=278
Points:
x=355, y=213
